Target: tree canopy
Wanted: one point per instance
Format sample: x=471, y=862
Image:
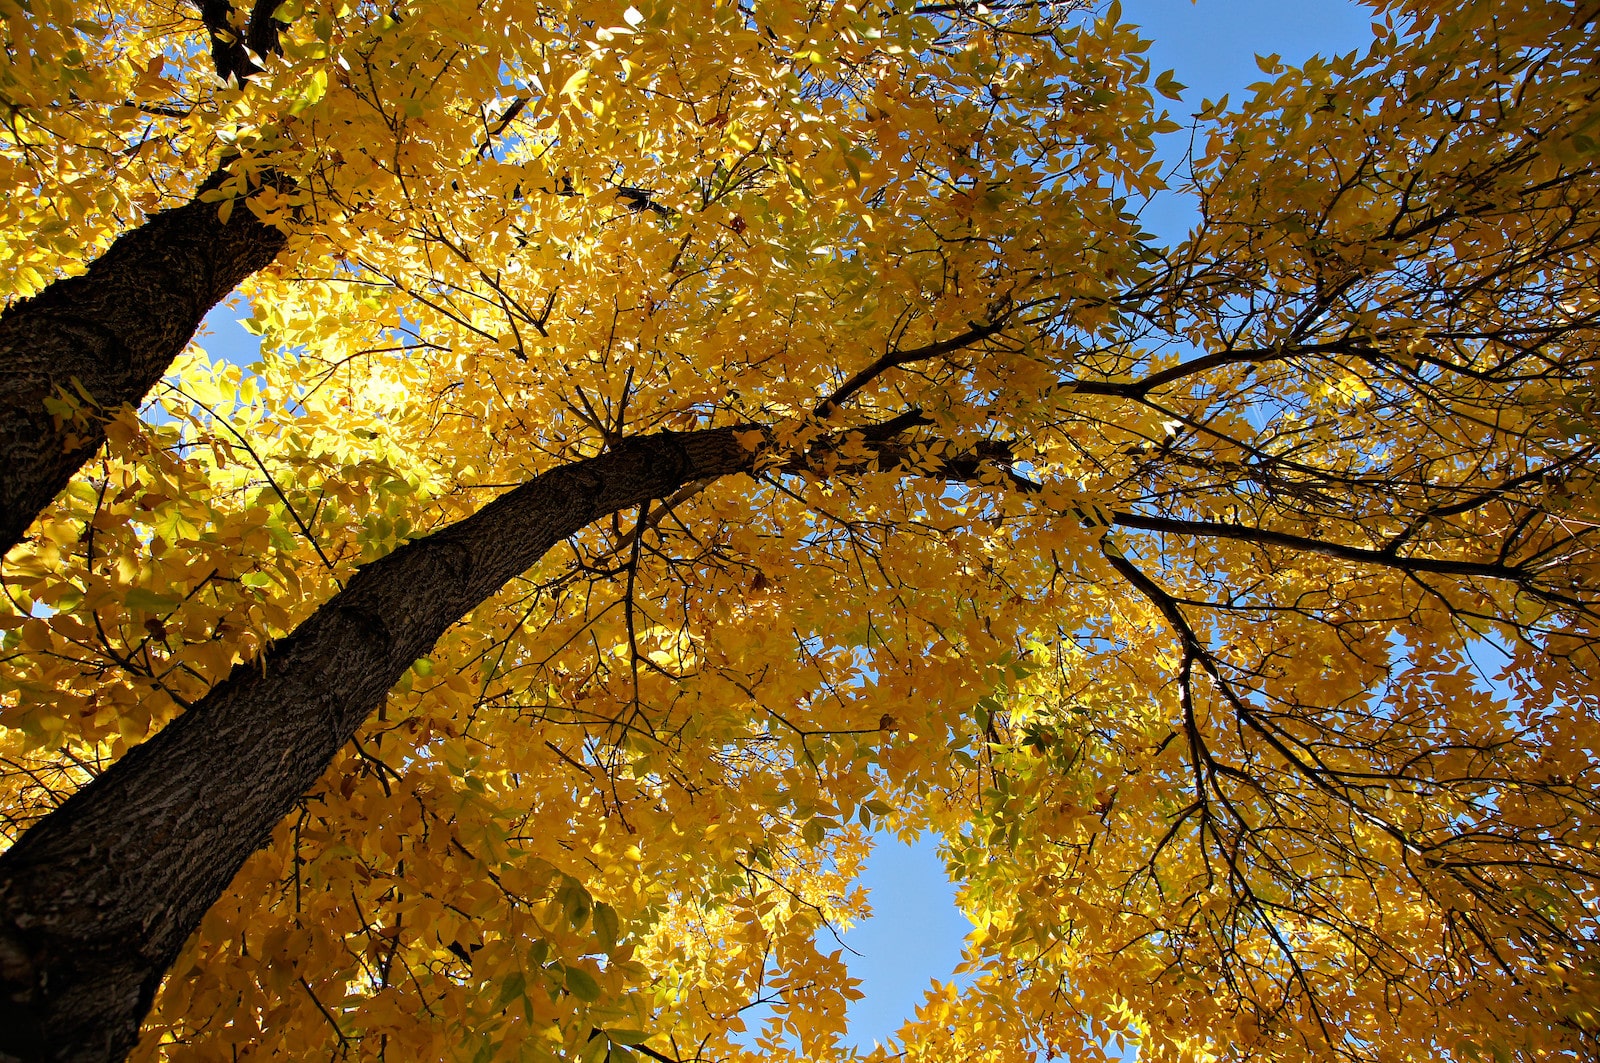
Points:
x=691, y=438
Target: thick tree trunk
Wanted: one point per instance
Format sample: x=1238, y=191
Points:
x=97, y=898
x=110, y=333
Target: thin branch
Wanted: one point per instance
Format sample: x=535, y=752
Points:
x=897, y=357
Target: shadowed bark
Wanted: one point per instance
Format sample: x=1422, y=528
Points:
x=110, y=334
x=98, y=897
x=234, y=52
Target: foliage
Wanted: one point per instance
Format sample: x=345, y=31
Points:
x=1250, y=678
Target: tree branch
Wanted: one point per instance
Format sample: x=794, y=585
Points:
x=103, y=339
x=894, y=358
x=1385, y=558
x=233, y=52
x=97, y=898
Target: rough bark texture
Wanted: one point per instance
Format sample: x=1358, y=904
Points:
x=97, y=898
x=114, y=331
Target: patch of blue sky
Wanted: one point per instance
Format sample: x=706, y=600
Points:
x=1211, y=46
x=223, y=335
x=914, y=935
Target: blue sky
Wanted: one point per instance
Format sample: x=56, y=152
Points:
x=1212, y=46
x=916, y=932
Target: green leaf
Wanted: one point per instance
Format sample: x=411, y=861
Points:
x=606, y=925
x=514, y=987
x=581, y=984
x=575, y=902
x=149, y=601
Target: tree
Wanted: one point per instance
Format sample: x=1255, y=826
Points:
x=1229, y=609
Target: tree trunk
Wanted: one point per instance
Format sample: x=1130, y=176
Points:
x=97, y=899
x=110, y=333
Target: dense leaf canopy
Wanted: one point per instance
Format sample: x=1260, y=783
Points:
x=1230, y=609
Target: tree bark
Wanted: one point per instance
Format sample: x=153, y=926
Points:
x=110, y=333
x=231, y=49
x=97, y=899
